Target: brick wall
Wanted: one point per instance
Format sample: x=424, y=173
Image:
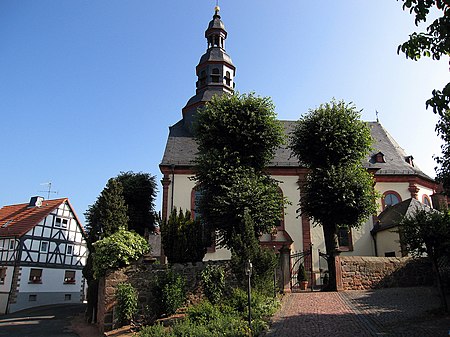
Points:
x=142, y=277
x=363, y=273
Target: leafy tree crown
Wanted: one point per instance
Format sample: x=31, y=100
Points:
x=332, y=134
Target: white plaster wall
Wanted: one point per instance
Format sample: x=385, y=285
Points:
x=400, y=188
x=219, y=254
x=182, y=188
x=52, y=281
x=292, y=220
x=363, y=244
x=388, y=241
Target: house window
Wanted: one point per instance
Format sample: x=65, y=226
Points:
x=35, y=275
x=58, y=222
x=69, y=250
x=32, y=298
x=12, y=244
x=69, y=276
x=345, y=239
x=2, y=275
x=426, y=200
x=67, y=297
x=44, y=247
x=390, y=198
x=64, y=223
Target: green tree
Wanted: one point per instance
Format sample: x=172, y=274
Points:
x=139, y=192
x=107, y=215
x=434, y=43
x=183, y=238
x=333, y=142
x=237, y=136
x=428, y=232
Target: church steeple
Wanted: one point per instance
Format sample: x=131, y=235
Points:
x=215, y=70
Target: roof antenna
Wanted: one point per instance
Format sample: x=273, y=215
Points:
x=376, y=113
x=49, y=184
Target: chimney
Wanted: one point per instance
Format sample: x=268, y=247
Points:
x=36, y=202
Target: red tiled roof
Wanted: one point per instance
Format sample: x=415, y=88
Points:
x=22, y=218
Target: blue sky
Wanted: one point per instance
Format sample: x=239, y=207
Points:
x=88, y=88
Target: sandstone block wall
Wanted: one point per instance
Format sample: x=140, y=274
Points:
x=143, y=277
x=363, y=273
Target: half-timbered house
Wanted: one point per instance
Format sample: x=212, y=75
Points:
x=42, y=253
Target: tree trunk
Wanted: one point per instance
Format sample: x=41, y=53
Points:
x=439, y=284
x=331, y=244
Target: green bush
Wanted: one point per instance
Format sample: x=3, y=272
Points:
x=183, y=238
x=117, y=250
x=213, y=278
x=127, y=303
x=262, y=306
x=172, y=292
x=155, y=331
x=301, y=275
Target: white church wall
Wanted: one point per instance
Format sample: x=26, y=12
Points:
x=388, y=241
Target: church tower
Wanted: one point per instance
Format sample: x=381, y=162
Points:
x=215, y=71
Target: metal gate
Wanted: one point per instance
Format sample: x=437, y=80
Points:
x=323, y=269
x=299, y=259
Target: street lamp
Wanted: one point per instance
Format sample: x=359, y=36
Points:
x=248, y=272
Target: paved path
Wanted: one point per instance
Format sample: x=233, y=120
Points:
x=386, y=312
x=47, y=321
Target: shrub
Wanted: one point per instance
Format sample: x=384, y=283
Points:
x=183, y=238
x=301, y=275
x=213, y=278
x=117, y=250
x=171, y=289
x=155, y=331
x=127, y=303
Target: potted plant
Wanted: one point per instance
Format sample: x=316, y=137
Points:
x=301, y=277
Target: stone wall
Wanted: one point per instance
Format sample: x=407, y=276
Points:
x=143, y=277
x=363, y=273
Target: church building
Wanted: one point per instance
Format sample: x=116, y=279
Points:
x=397, y=177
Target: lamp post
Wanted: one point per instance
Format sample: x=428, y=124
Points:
x=248, y=272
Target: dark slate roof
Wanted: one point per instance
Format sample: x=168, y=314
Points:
x=216, y=23
x=215, y=54
x=181, y=150
x=392, y=215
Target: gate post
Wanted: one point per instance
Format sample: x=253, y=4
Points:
x=285, y=257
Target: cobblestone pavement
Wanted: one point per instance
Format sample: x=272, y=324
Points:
x=396, y=312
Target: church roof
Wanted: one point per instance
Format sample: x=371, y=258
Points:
x=181, y=150
x=392, y=215
x=17, y=220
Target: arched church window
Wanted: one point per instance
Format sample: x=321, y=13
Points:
x=281, y=221
x=345, y=239
x=390, y=198
x=196, y=194
x=215, y=77
x=227, y=78
x=202, y=77
x=426, y=200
